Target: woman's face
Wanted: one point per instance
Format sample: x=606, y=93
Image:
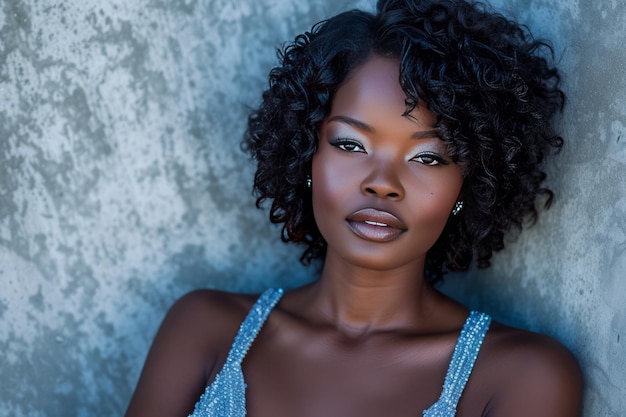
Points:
x=383, y=185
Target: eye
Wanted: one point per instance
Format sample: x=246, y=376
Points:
x=348, y=145
x=429, y=159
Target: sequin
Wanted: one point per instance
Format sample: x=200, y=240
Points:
x=461, y=365
x=226, y=396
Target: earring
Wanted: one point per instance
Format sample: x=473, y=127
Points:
x=458, y=206
x=309, y=181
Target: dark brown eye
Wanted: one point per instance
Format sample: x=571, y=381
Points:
x=348, y=145
x=429, y=159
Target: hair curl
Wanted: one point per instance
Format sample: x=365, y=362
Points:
x=486, y=79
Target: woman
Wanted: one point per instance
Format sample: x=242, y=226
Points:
x=396, y=147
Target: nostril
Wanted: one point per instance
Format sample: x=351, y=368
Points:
x=372, y=191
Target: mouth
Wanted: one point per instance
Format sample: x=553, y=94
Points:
x=375, y=225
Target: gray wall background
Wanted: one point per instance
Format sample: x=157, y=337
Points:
x=122, y=187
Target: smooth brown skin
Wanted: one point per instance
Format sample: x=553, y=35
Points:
x=370, y=337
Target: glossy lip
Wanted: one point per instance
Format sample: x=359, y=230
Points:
x=375, y=225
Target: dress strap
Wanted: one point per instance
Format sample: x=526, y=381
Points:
x=250, y=327
x=226, y=396
x=463, y=359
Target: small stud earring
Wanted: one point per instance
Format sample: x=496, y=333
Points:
x=309, y=181
x=458, y=206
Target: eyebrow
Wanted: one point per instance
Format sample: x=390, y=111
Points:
x=433, y=133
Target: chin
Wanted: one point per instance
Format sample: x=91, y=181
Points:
x=380, y=259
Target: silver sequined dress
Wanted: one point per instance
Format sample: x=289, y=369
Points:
x=225, y=397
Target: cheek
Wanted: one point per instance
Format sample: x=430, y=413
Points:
x=433, y=213
x=325, y=188
x=432, y=202
x=438, y=189
x=332, y=189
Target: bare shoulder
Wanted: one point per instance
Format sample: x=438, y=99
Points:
x=530, y=374
x=188, y=350
x=529, y=353
x=211, y=308
x=209, y=318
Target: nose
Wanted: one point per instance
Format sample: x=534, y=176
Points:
x=383, y=181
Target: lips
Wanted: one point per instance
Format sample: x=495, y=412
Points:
x=375, y=225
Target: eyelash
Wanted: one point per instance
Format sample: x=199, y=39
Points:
x=342, y=143
x=434, y=159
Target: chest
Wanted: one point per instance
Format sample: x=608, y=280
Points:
x=323, y=376
x=309, y=371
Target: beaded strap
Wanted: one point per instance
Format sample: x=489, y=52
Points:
x=461, y=365
x=251, y=326
x=226, y=395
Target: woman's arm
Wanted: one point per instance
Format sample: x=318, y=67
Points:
x=194, y=337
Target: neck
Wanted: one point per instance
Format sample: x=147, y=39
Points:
x=358, y=300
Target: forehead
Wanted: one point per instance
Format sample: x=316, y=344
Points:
x=373, y=89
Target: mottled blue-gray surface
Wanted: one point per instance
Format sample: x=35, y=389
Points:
x=566, y=276
x=122, y=186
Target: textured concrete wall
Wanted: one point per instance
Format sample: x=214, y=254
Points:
x=566, y=276
x=122, y=187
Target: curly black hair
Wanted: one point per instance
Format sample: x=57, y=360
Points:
x=488, y=81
